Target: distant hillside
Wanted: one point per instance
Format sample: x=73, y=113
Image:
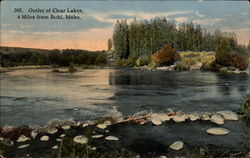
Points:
x=15, y=56
x=12, y=50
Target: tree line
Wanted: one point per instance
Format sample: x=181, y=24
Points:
x=53, y=57
x=148, y=36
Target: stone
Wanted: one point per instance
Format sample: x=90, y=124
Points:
x=163, y=156
x=65, y=127
x=23, y=146
x=177, y=145
x=62, y=135
x=33, y=134
x=81, y=139
x=218, y=131
x=163, y=117
x=58, y=139
x=218, y=119
x=107, y=131
x=155, y=119
x=22, y=138
x=55, y=147
x=78, y=123
x=102, y=126
x=97, y=136
x=179, y=118
x=112, y=138
x=52, y=130
x=85, y=125
x=107, y=123
x=205, y=117
x=93, y=148
x=194, y=117
x=44, y=138
x=229, y=115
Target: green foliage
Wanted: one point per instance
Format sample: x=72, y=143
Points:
x=49, y=57
x=245, y=106
x=180, y=66
x=222, y=54
x=143, y=60
x=152, y=65
x=101, y=59
x=166, y=56
x=72, y=68
x=148, y=36
x=238, y=61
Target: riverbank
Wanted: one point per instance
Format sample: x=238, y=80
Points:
x=136, y=136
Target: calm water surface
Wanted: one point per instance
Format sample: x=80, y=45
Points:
x=38, y=96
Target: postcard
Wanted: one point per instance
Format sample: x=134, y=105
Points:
x=124, y=78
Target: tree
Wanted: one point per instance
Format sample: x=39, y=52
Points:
x=109, y=44
x=222, y=54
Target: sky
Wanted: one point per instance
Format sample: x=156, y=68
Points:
x=95, y=27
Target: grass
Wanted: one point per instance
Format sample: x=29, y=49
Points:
x=245, y=106
x=191, y=58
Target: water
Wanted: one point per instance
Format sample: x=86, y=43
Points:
x=38, y=96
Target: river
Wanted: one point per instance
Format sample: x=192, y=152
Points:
x=37, y=96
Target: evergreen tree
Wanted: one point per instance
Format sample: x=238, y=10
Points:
x=223, y=52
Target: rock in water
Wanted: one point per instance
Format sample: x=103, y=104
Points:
x=62, y=135
x=22, y=138
x=65, y=127
x=194, y=117
x=163, y=117
x=58, y=139
x=205, y=117
x=81, y=139
x=33, y=134
x=44, y=138
x=97, y=136
x=163, y=156
x=218, y=131
x=229, y=115
x=112, y=138
x=52, y=130
x=107, y=123
x=179, y=118
x=55, y=147
x=102, y=126
x=156, y=119
x=218, y=119
x=23, y=146
x=177, y=145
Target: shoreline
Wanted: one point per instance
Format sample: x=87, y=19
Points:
x=143, y=68
x=131, y=137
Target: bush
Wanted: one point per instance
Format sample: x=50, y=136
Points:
x=152, y=65
x=143, y=60
x=245, y=106
x=181, y=66
x=101, y=59
x=72, y=67
x=215, y=67
x=238, y=61
x=189, y=61
x=222, y=54
x=166, y=56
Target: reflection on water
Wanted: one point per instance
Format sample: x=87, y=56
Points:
x=188, y=91
x=37, y=96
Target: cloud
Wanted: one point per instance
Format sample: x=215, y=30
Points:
x=198, y=14
x=181, y=19
x=210, y=21
x=243, y=34
x=112, y=16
